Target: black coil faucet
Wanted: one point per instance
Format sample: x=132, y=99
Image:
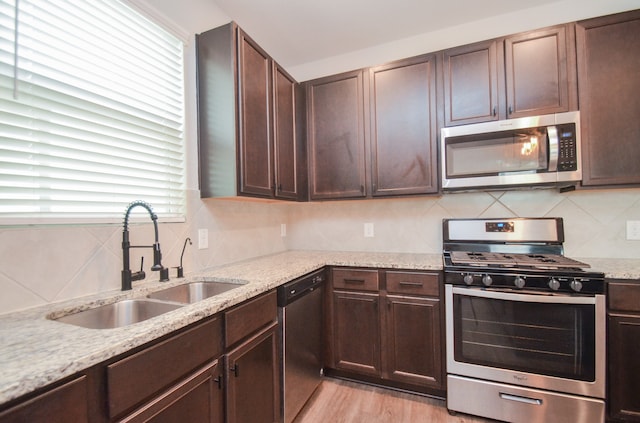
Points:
x=127, y=275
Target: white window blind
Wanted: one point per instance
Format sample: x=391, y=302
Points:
x=91, y=113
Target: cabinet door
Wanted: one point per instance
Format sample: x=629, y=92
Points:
x=624, y=367
x=413, y=344
x=186, y=352
x=284, y=134
x=253, y=380
x=198, y=398
x=609, y=83
x=356, y=332
x=471, y=83
x=336, y=136
x=403, y=127
x=538, y=75
x=66, y=403
x=254, y=136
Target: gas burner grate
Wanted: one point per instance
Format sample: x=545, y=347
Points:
x=538, y=261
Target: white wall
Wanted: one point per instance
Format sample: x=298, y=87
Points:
x=497, y=26
x=40, y=265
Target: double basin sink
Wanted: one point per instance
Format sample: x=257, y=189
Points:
x=130, y=311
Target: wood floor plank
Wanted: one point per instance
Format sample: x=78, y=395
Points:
x=341, y=401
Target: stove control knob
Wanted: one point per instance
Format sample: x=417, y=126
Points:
x=486, y=280
x=468, y=279
x=519, y=282
x=554, y=284
x=576, y=285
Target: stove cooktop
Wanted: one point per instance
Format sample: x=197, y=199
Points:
x=514, y=254
x=562, y=275
x=538, y=261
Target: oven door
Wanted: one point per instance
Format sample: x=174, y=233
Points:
x=541, y=340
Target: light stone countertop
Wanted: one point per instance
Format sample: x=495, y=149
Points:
x=36, y=351
x=615, y=268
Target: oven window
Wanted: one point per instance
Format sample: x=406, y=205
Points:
x=549, y=339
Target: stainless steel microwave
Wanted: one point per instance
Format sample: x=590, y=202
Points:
x=539, y=150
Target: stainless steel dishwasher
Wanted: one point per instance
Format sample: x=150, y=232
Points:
x=300, y=314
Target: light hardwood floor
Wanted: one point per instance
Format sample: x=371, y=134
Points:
x=341, y=401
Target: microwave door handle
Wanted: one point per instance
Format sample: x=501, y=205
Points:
x=554, y=145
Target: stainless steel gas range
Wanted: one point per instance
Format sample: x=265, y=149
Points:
x=525, y=324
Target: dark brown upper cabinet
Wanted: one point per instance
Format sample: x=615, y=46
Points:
x=372, y=133
x=471, y=75
x=288, y=136
x=248, y=138
x=254, y=118
x=608, y=50
x=336, y=136
x=403, y=127
x=526, y=74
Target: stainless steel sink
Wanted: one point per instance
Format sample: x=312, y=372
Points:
x=193, y=292
x=118, y=314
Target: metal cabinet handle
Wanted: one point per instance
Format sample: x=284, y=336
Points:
x=411, y=284
x=358, y=281
x=218, y=381
x=495, y=111
x=235, y=369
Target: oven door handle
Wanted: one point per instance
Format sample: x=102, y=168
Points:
x=530, y=298
x=518, y=398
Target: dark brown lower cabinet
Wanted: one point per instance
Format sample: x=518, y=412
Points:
x=413, y=334
x=623, y=344
x=198, y=398
x=386, y=326
x=624, y=367
x=148, y=382
x=252, y=380
x=356, y=332
x=62, y=404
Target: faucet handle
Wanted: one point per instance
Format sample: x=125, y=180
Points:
x=136, y=276
x=164, y=274
x=180, y=271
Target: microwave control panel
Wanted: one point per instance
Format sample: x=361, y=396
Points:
x=567, y=151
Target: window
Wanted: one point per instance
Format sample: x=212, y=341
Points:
x=91, y=113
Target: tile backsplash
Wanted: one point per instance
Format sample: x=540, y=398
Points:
x=49, y=264
x=594, y=220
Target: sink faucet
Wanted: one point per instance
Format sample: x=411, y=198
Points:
x=127, y=275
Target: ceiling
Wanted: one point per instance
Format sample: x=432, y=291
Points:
x=296, y=32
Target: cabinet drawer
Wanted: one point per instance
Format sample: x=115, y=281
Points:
x=66, y=403
x=138, y=377
x=624, y=296
x=415, y=283
x=250, y=316
x=355, y=279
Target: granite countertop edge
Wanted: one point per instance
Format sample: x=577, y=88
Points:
x=36, y=351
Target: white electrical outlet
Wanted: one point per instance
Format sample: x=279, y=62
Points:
x=203, y=239
x=368, y=230
x=283, y=230
x=633, y=229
